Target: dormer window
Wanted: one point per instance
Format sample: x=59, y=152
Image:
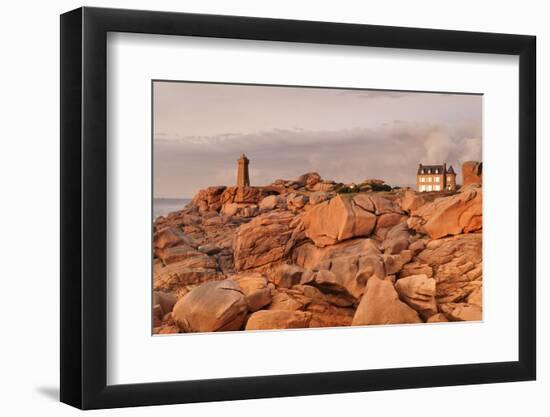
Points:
x=421, y=171
x=437, y=171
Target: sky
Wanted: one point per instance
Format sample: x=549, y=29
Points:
x=201, y=129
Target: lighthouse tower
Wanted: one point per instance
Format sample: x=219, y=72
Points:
x=243, y=180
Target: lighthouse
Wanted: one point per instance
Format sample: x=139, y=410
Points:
x=243, y=180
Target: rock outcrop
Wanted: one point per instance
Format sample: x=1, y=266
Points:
x=453, y=215
x=472, y=173
x=339, y=219
x=272, y=202
x=461, y=311
x=163, y=303
x=278, y=319
x=263, y=241
x=285, y=276
x=243, y=195
x=381, y=305
x=343, y=268
x=418, y=291
x=211, y=307
x=209, y=199
x=310, y=252
x=190, y=271
x=411, y=200
x=456, y=265
x=255, y=287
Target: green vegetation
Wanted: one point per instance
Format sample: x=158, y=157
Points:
x=345, y=190
x=380, y=187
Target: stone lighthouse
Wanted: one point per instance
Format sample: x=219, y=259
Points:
x=243, y=180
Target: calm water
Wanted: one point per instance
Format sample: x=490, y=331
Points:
x=163, y=206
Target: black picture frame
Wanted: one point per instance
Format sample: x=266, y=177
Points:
x=84, y=207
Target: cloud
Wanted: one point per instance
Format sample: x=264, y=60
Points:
x=388, y=94
x=391, y=152
x=373, y=94
x=438, y=145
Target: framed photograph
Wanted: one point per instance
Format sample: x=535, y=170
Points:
x=258, y=208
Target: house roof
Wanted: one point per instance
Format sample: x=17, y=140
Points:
x=432, y=168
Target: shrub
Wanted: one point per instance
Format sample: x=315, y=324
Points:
x=378, y=187
x=344, y=190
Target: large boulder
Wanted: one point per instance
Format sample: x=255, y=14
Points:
x=324, y=186
x=190, y=271
x=285, y=300
x=295, y=201
x=308, y=255
x=165, y=301
x=456, y=265
x=386, y=222
x=171, y=236
x=411, y=200
x=457, y=214
x=173, y=254
x=278, y=319
x=397, y=239
x=263, y=241
x=461, y=312
x=314, y=296
x=318, y=197
x=188, y=216
x=286, y=275
x=393, y=264
x=336, y=220
x=437, y=318
x=418, y=291
x=381, y=205
x=243, y=195
x=272, y=202
x=208, y=199
x=308, y=180
x=472, y=173
x=230, y=209
x=381, y=305
x=343, y=268
x=211, y=307
x=255, y=287
x=345, y=274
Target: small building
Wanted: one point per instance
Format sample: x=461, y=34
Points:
x=435, y=178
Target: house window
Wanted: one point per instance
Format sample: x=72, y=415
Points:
x=436, y=179
x=421, y=171
x=448, y=178
x=429, y=179
x=429, y=171
x=429, y=188
x=437, y=171
x=422, y=179
x=436, y=188
x=422, y=187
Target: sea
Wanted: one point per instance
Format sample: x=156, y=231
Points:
x=163, y=206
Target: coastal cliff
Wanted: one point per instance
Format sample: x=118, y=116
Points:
x=315, y=253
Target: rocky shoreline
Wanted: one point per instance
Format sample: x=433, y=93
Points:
x=309, y=253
